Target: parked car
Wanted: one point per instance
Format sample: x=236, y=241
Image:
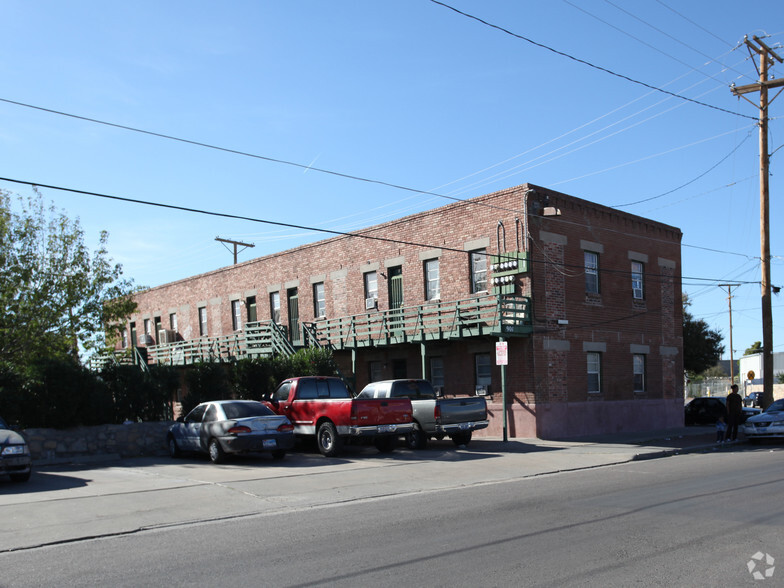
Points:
x=456, y=418
x=706, y=410
x=15, y=459
x=766, y=425
x=231, y=426
x=325, y=408
x=754, y=399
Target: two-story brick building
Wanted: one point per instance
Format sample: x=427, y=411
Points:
x=586, y=298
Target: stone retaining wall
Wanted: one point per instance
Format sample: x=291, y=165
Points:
x=131, y=440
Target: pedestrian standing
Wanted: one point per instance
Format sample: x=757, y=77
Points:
x=734, y=414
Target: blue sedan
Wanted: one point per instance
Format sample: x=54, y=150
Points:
x=225, y=427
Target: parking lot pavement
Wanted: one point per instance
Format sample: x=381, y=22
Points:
x=73, y=501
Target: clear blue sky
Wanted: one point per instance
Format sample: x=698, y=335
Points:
x=406, y=92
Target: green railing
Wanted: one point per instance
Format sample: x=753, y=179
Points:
x=500, y=316
x=483, y=315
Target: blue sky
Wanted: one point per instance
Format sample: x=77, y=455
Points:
x=410, y=93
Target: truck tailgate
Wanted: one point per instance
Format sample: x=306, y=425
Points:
x=381, y=411
x=461, y=410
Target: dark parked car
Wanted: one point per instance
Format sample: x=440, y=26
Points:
x=754, y=399
x=231, y=426
x=706, y=410
x=15, y=457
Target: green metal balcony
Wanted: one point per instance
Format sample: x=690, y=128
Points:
x=498, y=316
x=490, y=315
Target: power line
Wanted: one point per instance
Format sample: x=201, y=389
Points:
x=588, y=63
x=361, y=235
x=697, y=25
x=706, y=172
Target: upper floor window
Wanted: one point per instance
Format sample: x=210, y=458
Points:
x=319, y=300
x=148, y=327
x=637, y=280
x=236, y=315
x=591, y=272
x=478, y=271
x=124, y=339
x=432, y=280
x=250, y=304
x=594, y=372
x=371, y=289
x=173, y=321
x=638, y=360
x=275, y=307
x=202, y=321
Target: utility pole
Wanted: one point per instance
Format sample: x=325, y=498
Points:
x=235, y=243
x=766, y=58
x=732, y=356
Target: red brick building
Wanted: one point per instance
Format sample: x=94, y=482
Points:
x=587, y=299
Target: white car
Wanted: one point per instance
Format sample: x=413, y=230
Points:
x=766, y=425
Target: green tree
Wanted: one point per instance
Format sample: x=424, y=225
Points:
x=55, y=296
x=702, y=346
x=756, y=347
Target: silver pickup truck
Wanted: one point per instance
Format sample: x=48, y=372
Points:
x=435, y=417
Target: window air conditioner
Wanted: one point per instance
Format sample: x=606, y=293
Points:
x=370, y=303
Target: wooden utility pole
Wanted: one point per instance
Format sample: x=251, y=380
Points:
x=766, y=57
x=732, y=356
x=235, y=243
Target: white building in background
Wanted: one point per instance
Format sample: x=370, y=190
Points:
x=751, y=373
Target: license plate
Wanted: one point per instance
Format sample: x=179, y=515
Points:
x=387, y=428
x=270, y=443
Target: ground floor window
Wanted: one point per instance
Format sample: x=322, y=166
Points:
x=638, y=360
x=594, y=372
x=437, y=372
x=483, y=371
x=375, y=371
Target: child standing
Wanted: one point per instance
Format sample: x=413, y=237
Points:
x=720, y=428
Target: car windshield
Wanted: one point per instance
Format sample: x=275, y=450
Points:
x=3, y=424
x=240, y=410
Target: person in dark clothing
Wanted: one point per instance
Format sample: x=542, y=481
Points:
x=734, y=414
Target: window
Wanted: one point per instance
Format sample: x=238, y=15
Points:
x=157, y=327
x=371, y=285
x=375, y=371
x=250, y=304
x=202, y=321
x=148, y=328
x=594, y=372
x=236, y=315
x=483, y=370
x=437, y=372
x=639, y=372
x=173, y=321
x=124, y=339
x=319, y=300
x=432, y=280
x=275, y=307
x=637, y=273
x=478, y=271
x=591, y=272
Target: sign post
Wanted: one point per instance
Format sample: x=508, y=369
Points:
x=502, y=359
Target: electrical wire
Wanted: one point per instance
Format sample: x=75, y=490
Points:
x=589, y=64
x=361, y=235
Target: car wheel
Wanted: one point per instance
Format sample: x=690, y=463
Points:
x=217, y=455
x=278, y=454
x=416, y=439
x=20, y=477
x=386, y=444
x=461, y=438
x=174, y=449
x=329, y=442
